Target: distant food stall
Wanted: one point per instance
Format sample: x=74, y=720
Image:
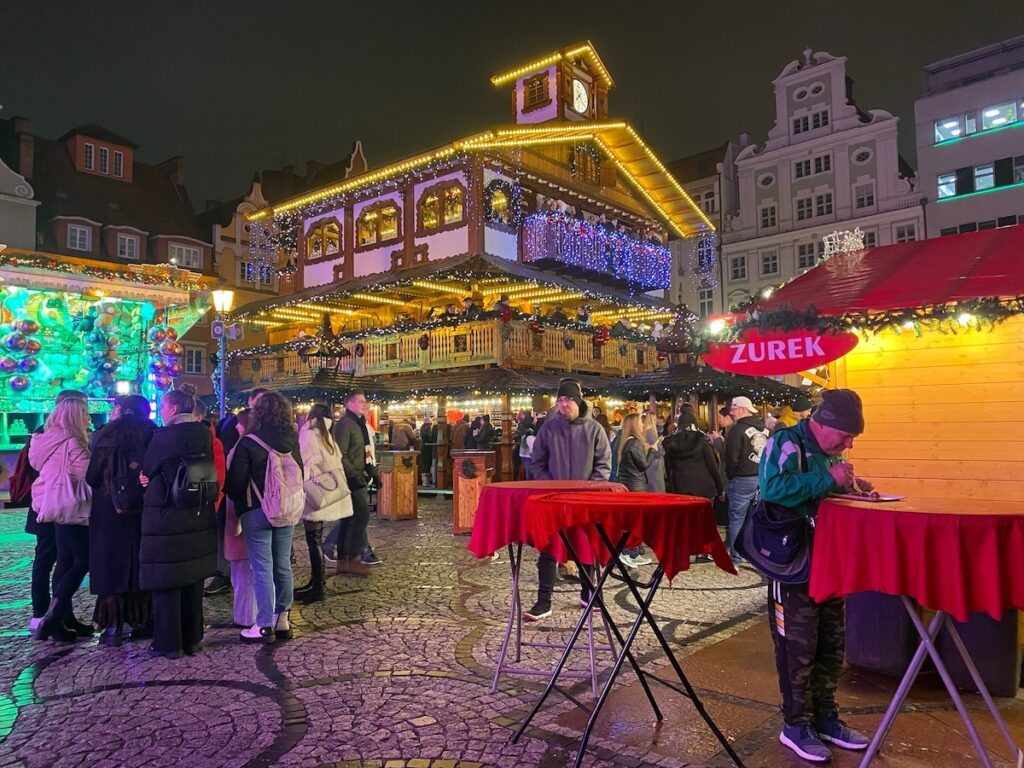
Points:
x=940, y=347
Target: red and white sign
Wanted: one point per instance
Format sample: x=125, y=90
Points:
x=773, y=353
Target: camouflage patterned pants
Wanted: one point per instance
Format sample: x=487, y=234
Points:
x=810, y=640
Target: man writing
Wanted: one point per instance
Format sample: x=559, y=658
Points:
x=802, y=465
x=743, y=447
x=569, y=446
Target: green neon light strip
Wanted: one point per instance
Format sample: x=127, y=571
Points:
x=986, y=132
x=1018, y=185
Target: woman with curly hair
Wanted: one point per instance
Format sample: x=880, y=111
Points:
x=269, y=546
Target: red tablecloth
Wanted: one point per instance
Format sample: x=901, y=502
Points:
x=673, y=526
x=960, y=557
x=501, y=517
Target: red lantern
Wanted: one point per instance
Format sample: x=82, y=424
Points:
x=662, y=355
x=537, y=328
x=505, y=315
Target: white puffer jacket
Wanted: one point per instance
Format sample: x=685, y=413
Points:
x=46, y=454
x=316, y=459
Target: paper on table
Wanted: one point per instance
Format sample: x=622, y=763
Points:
x=858, y=497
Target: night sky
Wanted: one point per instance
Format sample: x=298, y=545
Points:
x=235, y=87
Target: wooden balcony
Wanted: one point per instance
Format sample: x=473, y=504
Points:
x=480, y=343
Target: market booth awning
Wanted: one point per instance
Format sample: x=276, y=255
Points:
x=926, y=272
x=680, y=379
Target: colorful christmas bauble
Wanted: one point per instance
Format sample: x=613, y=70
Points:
x=8, y=364
x=33, y=347
x=15, y=341
x=157, y=335
x=27, y=364
x=28, y=327
x=19, y=383
x=172, y=335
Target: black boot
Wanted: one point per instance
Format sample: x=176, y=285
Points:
x=111, y=636
x=314, y=591
x=80, y=629
x=52, y=627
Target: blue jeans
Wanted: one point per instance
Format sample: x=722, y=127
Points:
x=270, y=551
x=741, y=492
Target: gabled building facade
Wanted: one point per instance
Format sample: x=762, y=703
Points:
x=826, y=165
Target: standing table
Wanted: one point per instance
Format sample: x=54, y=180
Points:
x=674, y=527
x=500, y=521
x=955, y=557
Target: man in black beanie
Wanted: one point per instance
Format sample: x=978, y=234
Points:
x=802, y=465
x=569, y=446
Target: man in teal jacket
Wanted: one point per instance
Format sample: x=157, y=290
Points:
x=802, y=465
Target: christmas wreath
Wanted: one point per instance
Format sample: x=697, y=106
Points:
x=622, y=350
x=468, y=469
x=423, y=342
x=360, y=349
x=569, y=342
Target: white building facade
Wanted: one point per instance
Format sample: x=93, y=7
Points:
x=970, y=139
x=826, y=165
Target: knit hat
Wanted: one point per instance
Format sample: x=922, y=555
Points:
x=840, y=409
x=570, y=388
x=801, y=403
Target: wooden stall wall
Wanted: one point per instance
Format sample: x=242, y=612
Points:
x=944, y=412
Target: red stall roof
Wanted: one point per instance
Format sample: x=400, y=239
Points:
x=985, y=264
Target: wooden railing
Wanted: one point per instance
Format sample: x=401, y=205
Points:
x=484, y=342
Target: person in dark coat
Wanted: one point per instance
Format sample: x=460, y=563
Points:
x=690, y=463
x=269, y=546
x=428, y=449
x=179, y=547
x=114, y=538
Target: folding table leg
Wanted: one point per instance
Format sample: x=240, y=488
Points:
x=514, y=559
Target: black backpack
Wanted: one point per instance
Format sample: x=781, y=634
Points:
x=194, y=485
x=126, y=491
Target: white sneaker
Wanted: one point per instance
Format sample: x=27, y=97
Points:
x=33, y=624
x=628, y=561
x=257, y=634
x=329, y=561
x=642, y=560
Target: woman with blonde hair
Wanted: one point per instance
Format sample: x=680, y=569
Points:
x=321, y=466
x=656, y=469
x=635, y=457
x=61, y=456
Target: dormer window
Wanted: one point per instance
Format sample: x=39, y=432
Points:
x=89, y=159
x=324, y=240
x=441, y=207
x=79, y=238
x=378, y=223
x=536, y=93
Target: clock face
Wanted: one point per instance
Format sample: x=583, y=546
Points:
x=580, y=96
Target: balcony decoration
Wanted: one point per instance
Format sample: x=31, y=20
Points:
x=537, y=328
x=623, y=349
x=702, y=266
x=601, y=337
x=644, y=265
x=360, y=349
x=503, y=204
x=569, y=342
x=423, y=342
x=146, y=274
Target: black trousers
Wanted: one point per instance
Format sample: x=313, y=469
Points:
x=352, y=530
x=810, y=641
x=314, y=534
x=178, y=617
x=42, y=568
x=72, y=565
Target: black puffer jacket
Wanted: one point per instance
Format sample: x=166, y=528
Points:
x=114, y=539
x=250, y=463
x=690, y=465
x=179, y=546
x=633, y=464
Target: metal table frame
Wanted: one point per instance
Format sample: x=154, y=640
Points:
x=927, y=648
x=625, y=654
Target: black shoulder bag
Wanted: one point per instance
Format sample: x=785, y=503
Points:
x=777, y=540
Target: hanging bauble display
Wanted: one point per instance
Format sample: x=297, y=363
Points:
x=19, y=383
x=8, y=365
x=172, y=335
x=28, y=327
x=175, y=370
x=27, y=364
x=162, y=381
x=157, y=335
x=15, y=342
x=33, y=347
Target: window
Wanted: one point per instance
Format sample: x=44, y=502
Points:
x=104, y=160
x=89, y=156
x=79, y=238
x=738, y=268
x=823, y=204
x=1018, y=169
x=948, y=128
x=863, y=195
x=378, y=223
x=805, y=256
x=127, y=247
x=1000, y=114
x=948, y=231
x=799, y=94
x=801, y=124
x=708, y=203
x=705, y=301
x=802, y=169
x=823, y=164
x=585, y=164
x=990, y=224
x=821, y=249
x=251, y=273
x=499, y=206
x=870, y=239
x=186, y=256
x=535, y=92
x=817, y=89
x=862, y=156
x=965, y=228
x=946, y=185
x=442, y=206
x=118, y=164
x=705, y=255
x=819, y=119
x=1008, y=221
x=970, y=123
x=323, y=240
x=984, y=177
x=770, y=263
x=804, y=208
x=766, y=180
x=195, y=362
x=906, y=233
x=767, y=216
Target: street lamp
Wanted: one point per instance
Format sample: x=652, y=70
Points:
x=222, y=301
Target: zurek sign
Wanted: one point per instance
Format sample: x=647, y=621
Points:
x=773, y=353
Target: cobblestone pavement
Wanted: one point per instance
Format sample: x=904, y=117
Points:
x=391, y=671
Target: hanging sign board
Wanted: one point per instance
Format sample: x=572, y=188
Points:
x=773, y=353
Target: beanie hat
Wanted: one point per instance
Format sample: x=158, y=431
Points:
x=841, y=409
x=570, y=388
x=801, y=403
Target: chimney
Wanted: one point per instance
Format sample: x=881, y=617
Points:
x=174, y=167
x=744, y=139
x=26, y=146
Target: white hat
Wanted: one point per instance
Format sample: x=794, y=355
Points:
x=744, y=402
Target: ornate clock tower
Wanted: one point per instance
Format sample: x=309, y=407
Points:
x=570, y=84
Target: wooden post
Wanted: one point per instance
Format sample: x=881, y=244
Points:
x=472, y=470
x=444, y=466
x=505, y=446
x=398, y=475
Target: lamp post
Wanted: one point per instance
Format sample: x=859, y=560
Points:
x=222, y=301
